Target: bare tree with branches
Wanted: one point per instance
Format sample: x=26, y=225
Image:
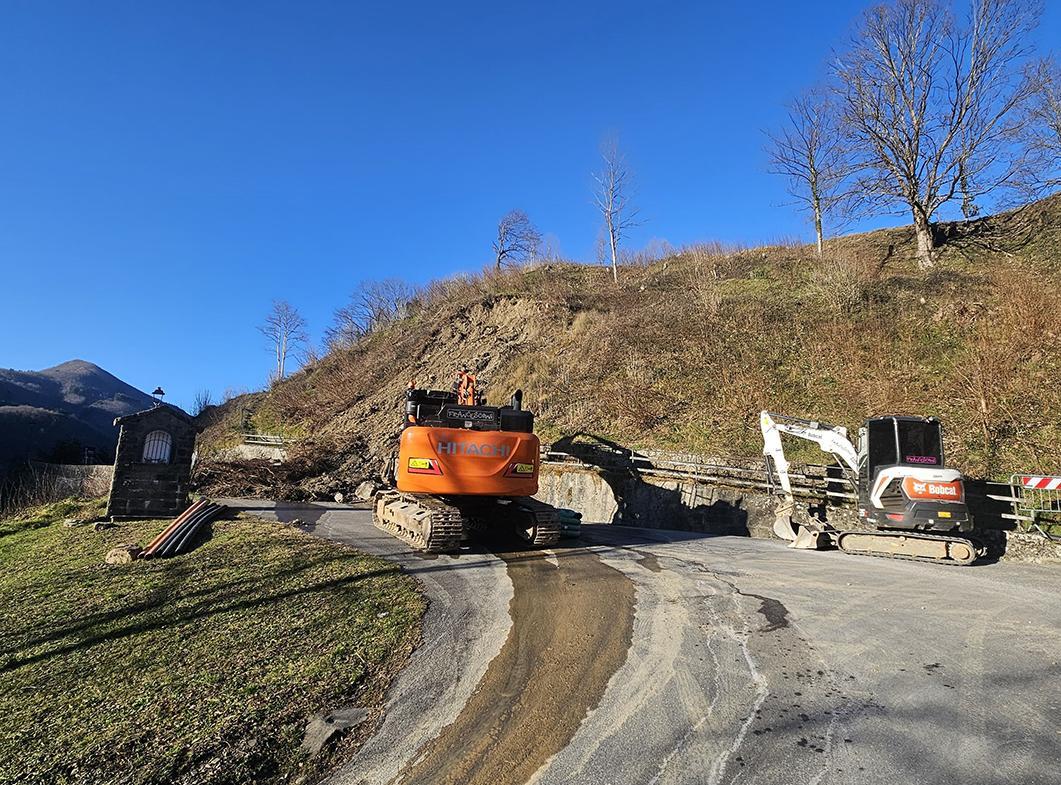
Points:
x=612, y=197
x=809, y=151
x=203, y=401
x=373, y=305
x=1042, y=169
x=285, y=329
x=933, y=105
x=518, y=240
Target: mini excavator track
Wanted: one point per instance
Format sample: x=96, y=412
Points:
x=912, y=546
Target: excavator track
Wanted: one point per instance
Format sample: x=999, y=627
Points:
x=532, y=520
x=426, y=523
x=435, y=525
x=910, y=546
x=544, y=529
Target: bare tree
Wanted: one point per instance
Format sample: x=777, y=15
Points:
x=518, y=240
x=933, y=105
x=809, y=151
x=1042, y=168
x=203, y=401
x=285, y=329
x=374, y=305
x=612, y=197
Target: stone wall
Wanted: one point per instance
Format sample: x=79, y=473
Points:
x=150, y=490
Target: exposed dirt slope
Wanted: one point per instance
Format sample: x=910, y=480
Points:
x=686, y=351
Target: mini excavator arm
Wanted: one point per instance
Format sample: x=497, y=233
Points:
x=831, y=439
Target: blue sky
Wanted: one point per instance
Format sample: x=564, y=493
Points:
x=167, y=169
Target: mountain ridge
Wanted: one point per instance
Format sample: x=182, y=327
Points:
x=56, y=412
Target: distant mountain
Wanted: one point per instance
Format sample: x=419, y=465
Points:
x=55, y=413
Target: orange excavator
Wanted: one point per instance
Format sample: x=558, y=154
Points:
x=464, y=466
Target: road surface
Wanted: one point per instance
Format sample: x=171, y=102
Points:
x=654, y=657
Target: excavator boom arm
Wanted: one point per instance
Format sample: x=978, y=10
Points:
x=830, y=438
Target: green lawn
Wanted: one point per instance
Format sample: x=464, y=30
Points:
x=203, y=668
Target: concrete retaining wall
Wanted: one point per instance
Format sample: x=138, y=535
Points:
x=655, y=502
x=625, y=497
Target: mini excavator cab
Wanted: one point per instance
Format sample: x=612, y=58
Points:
x=902, y=480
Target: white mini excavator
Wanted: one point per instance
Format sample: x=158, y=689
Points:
x=913, y=506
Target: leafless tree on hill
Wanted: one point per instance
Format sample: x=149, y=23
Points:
x=374, y=305
x=285, y=329
x=518, y=240
x=612, y=197
x=933, y=106
x=1042, y=170
x=809, y=151
x=203, y=401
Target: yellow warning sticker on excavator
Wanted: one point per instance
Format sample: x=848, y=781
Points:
x=524, y=468
x=419, y=463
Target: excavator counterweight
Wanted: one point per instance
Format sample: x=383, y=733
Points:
x=465, y=467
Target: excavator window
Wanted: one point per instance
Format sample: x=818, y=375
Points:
x=881, y=444
x=920, y=443
x=896, y=441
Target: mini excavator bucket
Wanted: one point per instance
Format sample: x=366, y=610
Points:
x=811, y=537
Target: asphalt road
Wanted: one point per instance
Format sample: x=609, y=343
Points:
x=649, y=656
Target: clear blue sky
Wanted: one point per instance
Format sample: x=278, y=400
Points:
x=167, y=169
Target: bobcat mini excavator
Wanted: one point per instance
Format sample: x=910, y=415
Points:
x=915, y=507
x=464, y=466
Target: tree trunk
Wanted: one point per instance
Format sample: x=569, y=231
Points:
x=497, y=263
x=818, y=227
x=615, y=256
x=925, y=243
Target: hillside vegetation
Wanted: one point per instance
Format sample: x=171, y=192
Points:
x=686, y=350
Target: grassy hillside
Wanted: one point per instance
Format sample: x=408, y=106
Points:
x=686, y=350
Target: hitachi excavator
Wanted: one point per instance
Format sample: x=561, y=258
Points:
x=914, y=506
x=464, y=466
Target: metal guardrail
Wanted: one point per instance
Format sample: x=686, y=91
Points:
x=809, y=481
x=265, y=440
x=1036, y=501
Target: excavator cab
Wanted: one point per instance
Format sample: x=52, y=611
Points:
x=902, y=480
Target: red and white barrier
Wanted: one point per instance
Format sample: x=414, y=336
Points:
x=1040, y=483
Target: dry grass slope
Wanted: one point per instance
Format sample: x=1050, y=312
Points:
x=686, y=351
